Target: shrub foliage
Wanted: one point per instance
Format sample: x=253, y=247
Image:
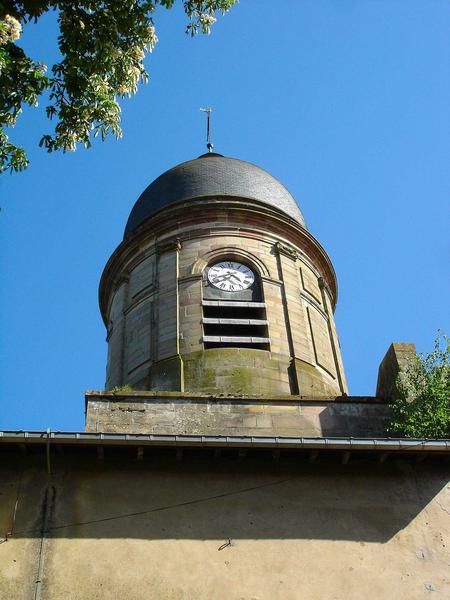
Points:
x=421, y=408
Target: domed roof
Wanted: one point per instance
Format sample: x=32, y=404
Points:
x=212, y=175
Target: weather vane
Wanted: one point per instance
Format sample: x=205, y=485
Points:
x=208, y=111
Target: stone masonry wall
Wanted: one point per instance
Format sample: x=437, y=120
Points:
x=154, y=311
x=186, y=414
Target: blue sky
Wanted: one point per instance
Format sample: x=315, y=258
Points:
x=345, y=101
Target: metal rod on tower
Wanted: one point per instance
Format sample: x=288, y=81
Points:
x=208, y=111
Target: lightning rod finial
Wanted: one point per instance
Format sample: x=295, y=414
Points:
x=208, y=111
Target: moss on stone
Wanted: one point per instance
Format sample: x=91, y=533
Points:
x=233, y=371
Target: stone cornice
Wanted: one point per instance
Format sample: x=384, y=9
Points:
x=142, y=396
x=177, y=222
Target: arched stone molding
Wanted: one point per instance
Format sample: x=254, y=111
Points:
x=231, y=252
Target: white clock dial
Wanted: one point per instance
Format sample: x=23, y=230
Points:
x=230, y=276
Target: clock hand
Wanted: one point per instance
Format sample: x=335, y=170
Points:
x=219, y=277
x=238, y=279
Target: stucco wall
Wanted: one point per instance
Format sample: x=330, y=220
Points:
x=202, y=529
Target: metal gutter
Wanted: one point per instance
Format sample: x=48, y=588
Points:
x=254, y=442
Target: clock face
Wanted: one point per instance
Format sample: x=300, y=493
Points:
x=230, y=276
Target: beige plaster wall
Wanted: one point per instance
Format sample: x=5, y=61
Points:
x=200, y=529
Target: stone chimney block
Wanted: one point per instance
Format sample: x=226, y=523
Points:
x=397, y=356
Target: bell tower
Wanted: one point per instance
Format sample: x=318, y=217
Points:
x=219, y=310
x=219, y=288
